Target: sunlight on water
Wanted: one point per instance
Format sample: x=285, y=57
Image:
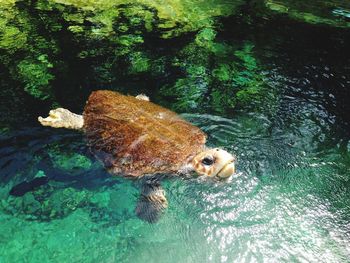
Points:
x=290, y=198
x=287, y=201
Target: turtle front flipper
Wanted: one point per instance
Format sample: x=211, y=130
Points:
x=62, y=118
x=152, y=201
x=142, y=97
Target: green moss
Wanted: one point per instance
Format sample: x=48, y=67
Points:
x=25, y=52
x=313, y=12
x=13, y=34
x=76, y=29
x=12, y=39
x=110, y=40
x=42, y=41
x=222, y=72
x=205, y=37
x=247, y=57
x=139, y=63
x=219, y=76
x=189, y=93
x=46, y=203
x=127, y=43
x=248, y=95
x=172, y=19
x=36, y=76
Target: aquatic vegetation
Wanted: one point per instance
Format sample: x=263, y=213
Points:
x=138, y=63
x=42, y=42
x=68, y=161
x=219, y=76
x=112, y=40
x=330, y=12
x=25, y=51
x=172, y=18
x=12, y=36
x=50, y=201
x=36, y=76
x=46, y=203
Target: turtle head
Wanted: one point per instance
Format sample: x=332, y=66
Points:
x=214, y=162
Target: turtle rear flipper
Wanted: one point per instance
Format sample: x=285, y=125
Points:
x=62, y=118
x=152, y=202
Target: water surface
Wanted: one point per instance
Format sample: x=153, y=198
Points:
x=288, y=202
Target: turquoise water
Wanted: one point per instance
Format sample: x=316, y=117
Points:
x=288, y=202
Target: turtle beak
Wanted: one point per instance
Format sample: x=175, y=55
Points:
x=228, y=170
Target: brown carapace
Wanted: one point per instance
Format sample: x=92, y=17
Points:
x=135, y=137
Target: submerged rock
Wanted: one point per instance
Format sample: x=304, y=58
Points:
x=68, y=161
x=46, y=203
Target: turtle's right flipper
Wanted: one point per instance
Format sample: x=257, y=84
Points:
x=62, y=118
x=152, y=201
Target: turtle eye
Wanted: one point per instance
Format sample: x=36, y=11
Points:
x=208, y=160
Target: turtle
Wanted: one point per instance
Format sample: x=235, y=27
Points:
x=136, y=138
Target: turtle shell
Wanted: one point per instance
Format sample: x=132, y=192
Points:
x=136, y=137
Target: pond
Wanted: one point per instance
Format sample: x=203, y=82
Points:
x=266, y=80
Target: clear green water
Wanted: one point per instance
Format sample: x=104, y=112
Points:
x=287, y=204
x=290, y=200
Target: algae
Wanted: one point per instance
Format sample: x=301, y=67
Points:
x=55, y=52
x=54, y=49
x=111, y=40
x=46, y=203
x=139, y=63
x=36, y=76
x=219, y=76
x=56, y=201
x=330, y=12
x=68, y=161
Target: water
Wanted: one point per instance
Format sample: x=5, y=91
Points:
x=288, y=202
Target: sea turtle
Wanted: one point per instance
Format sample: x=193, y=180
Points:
x=135, y=137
